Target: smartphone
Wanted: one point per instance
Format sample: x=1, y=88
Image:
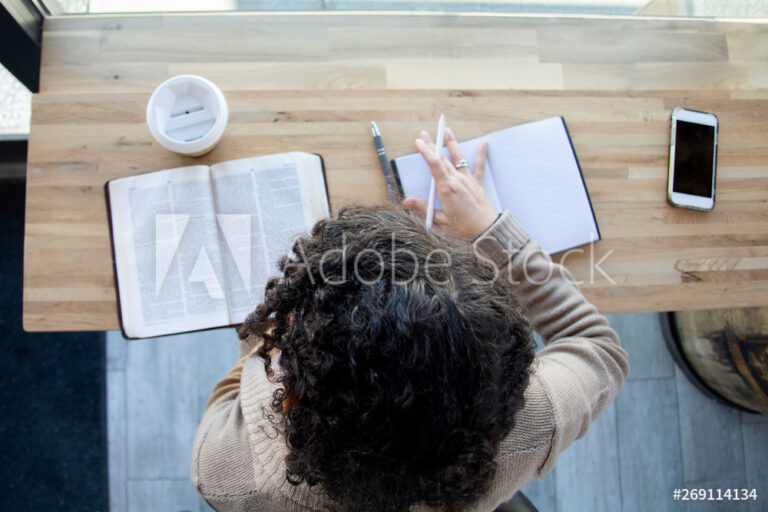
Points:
x=692, y=159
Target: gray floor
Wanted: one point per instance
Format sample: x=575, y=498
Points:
x=660, y=434
x=156, y=393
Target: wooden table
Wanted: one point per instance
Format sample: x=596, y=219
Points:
x=313, y=82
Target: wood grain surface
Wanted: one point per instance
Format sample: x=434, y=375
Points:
x=313, y=82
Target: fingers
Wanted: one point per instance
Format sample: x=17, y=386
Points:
x=440, y=220
x=428, y=140
x=415, y=204
x=419, y=206
x=432, y=147
x=436, y=164
x=480, y=159
x=453, y=148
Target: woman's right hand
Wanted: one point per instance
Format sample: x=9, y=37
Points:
x=467, y=211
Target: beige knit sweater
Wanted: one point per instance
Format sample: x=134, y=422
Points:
x=238, y=458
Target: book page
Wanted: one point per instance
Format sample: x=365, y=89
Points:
x=539, y=182
x=169, y=269
x=262, y=205
x=415, y=176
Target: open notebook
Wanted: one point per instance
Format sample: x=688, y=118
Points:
x=532, y=171
x=194, y=246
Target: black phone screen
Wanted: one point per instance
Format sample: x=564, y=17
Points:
x=694, y=159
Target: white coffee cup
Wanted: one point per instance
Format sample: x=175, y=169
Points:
x=187, y=114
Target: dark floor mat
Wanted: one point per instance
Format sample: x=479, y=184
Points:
x=52, y=396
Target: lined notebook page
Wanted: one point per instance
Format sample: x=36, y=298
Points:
x=539, y=182
x=534, y=175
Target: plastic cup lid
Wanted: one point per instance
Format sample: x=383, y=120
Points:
x=187, y=114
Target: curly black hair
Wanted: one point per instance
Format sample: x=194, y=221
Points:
x=402, y=361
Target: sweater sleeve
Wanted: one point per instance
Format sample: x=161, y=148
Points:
x=583, y=367
x=238, y=455
x=222, y=467
x=227, y=388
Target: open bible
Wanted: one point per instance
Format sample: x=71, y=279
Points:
x=194, y=246
x=533, y=172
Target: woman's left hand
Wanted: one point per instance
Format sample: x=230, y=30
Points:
x=467, y=209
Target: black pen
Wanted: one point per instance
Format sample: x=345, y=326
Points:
x=389, y=178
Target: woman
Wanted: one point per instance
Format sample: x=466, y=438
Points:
x=389, y=369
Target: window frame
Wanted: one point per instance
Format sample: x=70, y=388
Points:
x=21, y=29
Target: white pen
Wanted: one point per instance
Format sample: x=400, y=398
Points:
x=439, y=144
